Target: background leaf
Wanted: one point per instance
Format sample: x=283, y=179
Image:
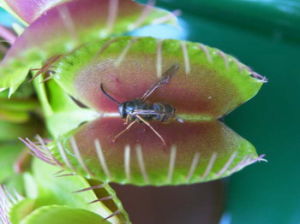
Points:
x=62, y=215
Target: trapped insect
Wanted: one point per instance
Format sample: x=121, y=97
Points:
x=139, y=110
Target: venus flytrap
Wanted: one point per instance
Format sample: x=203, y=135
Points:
x=208, y=85
x=67, y=26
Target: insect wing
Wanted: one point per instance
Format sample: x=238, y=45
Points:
x=166, y=77
x=145, y=112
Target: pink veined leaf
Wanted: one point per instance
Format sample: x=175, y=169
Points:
x=29, y=10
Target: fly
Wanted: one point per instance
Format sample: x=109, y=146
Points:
x=139, y=110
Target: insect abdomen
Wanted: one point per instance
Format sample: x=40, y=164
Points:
x=164, y=111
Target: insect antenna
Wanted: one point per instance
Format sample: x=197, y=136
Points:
x=107, y=95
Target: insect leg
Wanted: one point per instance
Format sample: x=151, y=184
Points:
x=149, y=125
x=50, y=76
x=127, y=119
x=45, y=69
x=122, y=132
